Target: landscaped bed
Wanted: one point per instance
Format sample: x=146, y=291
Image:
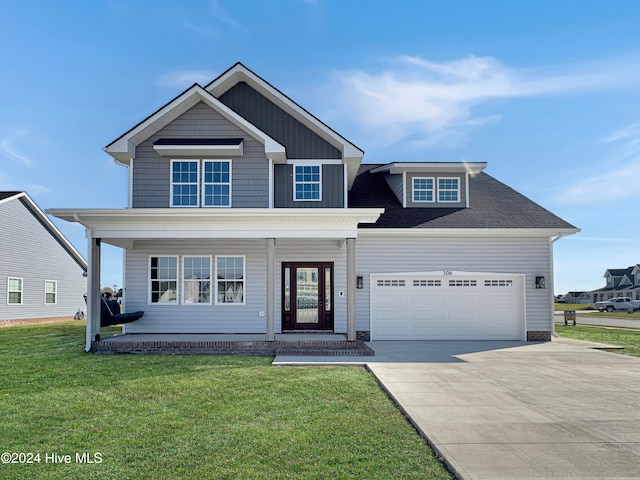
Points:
x=181, y=417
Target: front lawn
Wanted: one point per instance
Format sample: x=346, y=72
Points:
x=194, y=416
x=560, y=307
x=629, y=339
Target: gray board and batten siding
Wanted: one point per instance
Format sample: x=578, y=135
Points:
x=250, y=173
x=30, y=251
x=332, y=188
x=300, y=141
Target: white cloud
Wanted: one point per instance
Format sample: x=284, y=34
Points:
x=8, y=150
x=437, y=101
x=185, y=78
x=205, y=32
x=221, y=15
x=616, y=178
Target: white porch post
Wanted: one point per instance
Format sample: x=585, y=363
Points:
x=271, y=300
x=93, y=290
x=351, y=289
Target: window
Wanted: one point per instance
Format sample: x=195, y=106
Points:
x=163, y=274
x=306, y=182
x=463, y=283
x=216, y=184
x=448, y=189
x=50, y=292
x=609, y=281
x=196, y=280
x=390, y=283
x=230, y=280
x=427, y=283
x=423, y=189
x=498, y=283
x=14, y=291
x=184, y=183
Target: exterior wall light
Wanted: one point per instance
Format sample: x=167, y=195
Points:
x=359, y=282
x=540, y=281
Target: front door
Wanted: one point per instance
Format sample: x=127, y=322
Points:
x=307, y=296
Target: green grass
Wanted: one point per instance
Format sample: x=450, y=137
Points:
x=559, y=307
x=616, y=314
x=629, y=339
x=195, y=416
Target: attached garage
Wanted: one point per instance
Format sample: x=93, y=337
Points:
x=447, y=306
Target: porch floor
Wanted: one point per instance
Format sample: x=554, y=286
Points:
x=232, y=344
x=224, y=337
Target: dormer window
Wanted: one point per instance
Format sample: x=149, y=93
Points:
x=448, y=189
x=423, y=189
x=609, y=281
x=307, y=180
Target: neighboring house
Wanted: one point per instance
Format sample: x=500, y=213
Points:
x=247, y=214
x=41, y=274
x=620, y=282
x=578, y=297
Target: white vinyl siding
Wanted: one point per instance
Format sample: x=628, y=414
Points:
x=224, y=318
x=14, y=291
x=389, y=254
x=50, y=292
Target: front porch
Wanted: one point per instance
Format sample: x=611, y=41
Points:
x=231, y=344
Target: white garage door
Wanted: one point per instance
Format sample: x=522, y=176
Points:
x=447, y=306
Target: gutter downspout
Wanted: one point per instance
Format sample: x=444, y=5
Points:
x=551, y=242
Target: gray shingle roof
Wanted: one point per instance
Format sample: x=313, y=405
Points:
x=492, y=204
x=4, y=195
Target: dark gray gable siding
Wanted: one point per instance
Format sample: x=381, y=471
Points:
x=300, y=141
x=332, y=188
x=29, y=251
x=250, y=173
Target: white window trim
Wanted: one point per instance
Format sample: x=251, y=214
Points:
x=448, y=190
x=14, y=291
x=413, y=190
x=183, y=280
x=150, y=280
x=244, y=279
x=230, y=182
x=307, y=163
x=171, y=182
x=55, y=292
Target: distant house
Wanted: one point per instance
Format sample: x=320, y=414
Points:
x=578, y=297
x=620, y=282
x=249, y=215
x=41, y=274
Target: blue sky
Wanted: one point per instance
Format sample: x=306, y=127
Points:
x=545, y=92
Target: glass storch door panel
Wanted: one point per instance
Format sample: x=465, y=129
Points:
x=307, y=295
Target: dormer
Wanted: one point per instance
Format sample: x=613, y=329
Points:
x=636, y=275
x=431, y=184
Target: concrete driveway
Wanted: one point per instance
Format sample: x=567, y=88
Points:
x=512, y=410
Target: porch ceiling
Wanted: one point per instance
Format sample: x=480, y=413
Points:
x=124, y=225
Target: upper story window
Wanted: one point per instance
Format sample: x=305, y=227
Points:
x=609, y=281
x=184, y=183
x=638, y=279
x=307, y=181
x=423, y=189
x=448, y=189
x=216, y=184
x=14, y=291
x=190, y=189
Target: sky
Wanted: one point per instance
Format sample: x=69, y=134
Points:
x=545, y=92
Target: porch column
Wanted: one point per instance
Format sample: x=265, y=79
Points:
x=351, y=289
x=93, y=290
x=271, y=291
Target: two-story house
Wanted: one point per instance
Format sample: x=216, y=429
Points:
x=247, y=214
x=620, y=282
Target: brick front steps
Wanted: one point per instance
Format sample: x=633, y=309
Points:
x=180, y=347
